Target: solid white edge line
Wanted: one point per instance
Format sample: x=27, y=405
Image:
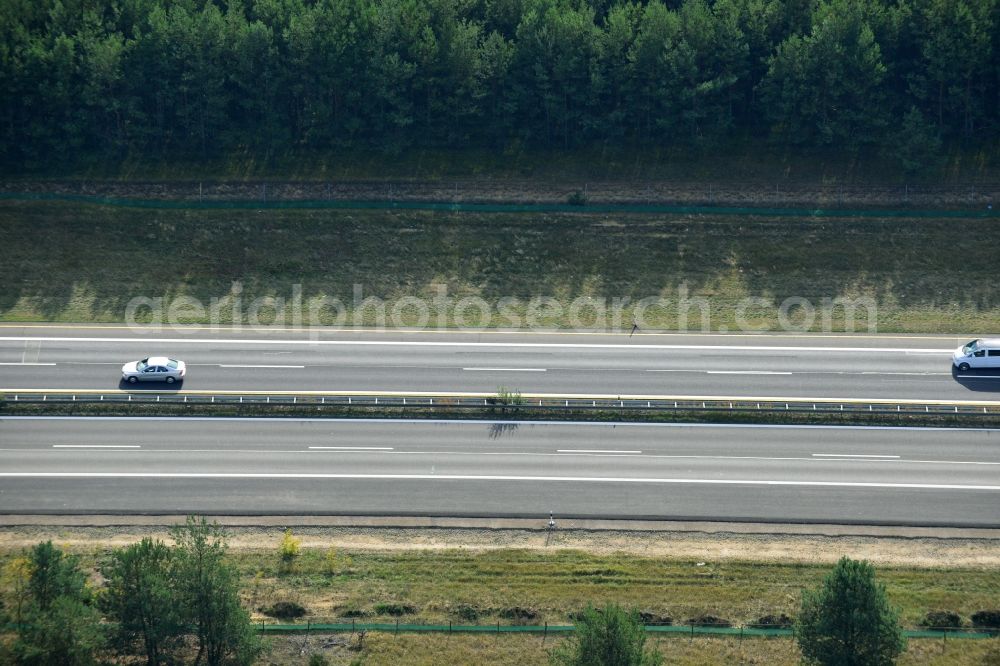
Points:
x=543, y=454
x=19, y=363
x=517, y=345
x=469, y=477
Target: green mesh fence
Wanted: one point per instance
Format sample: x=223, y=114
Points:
x=689, y=630
x=546, y=629
x=492, y=207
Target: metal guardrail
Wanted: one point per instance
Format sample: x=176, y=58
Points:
x=472, y=401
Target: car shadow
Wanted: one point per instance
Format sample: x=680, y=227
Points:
x=150, y=387
x=980, y=380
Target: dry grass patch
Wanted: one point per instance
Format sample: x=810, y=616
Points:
x=517, y=650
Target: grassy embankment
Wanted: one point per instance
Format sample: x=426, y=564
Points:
x=745, y=159
x=477, y=585
x=83, y=263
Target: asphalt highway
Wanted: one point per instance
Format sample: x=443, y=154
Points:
x=866, y=475
x=760, y=366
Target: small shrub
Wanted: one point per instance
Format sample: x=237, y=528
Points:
x=394, y=609
x=654, y=619
x=284, y=610
x=506, y=398
x=708, y=621
x=941, y=619
x=986, y=619
x=350, y=612
x=781, y=621
x=289, y=549
x=519, y=614
x=467, y=612
x=577, y=198
x=578, y=616
x=316, y=659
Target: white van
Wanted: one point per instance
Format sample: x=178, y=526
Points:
x=983, y=353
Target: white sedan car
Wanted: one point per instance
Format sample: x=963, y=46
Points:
x=154, y=369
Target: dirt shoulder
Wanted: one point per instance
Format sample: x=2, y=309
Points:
x=808, y=544
x=754, y=192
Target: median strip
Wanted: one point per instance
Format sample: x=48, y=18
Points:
x=616, y=398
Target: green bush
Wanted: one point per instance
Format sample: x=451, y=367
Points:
x=395, y=609
x=285, y=610
x=605, y=636
x=781, y=621
x=986, y=619
x=467, y=612
x=941, y=619
x=519, y=614
x=650, y=619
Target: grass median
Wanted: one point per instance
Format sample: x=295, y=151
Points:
x=501, y=414
x=84, y=263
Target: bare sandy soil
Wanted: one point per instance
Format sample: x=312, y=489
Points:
x=812, y=544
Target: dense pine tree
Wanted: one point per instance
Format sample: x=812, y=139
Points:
x=92, y=80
